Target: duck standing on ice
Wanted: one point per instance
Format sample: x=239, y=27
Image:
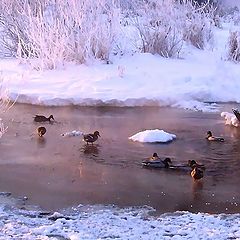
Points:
x=91, y=137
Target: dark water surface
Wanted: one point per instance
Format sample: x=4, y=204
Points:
x=63, y=171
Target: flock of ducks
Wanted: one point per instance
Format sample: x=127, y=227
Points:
x=88, y=138
x=196, y=169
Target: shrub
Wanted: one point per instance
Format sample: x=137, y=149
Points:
x=56, y=31
x=234, y=46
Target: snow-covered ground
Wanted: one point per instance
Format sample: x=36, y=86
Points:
x=203, y=76
x=109, y=222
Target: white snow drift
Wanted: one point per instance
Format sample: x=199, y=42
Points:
x=152, y=136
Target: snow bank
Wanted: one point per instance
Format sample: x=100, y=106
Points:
x=195, y=82
x=152, y=136
x=230, y=119
x=96, y=222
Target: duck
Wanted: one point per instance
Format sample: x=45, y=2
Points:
x=41, y=118
x=91, y=137
x=210, y=137
x=196, y=173
x=193, y=163
x=236, y=113
x=156, y=162
x=41, y=131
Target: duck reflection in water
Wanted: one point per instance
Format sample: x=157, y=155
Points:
x=90, y=149
x=197, y=187
x=41, y=142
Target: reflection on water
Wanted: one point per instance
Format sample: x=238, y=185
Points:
x=56, y=171
x=197, y=189
x=41, y=141
x=90, y=149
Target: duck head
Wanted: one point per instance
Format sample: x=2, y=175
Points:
x=51, y=117
x=191, y=163
x=209, y=134
x=96, y=133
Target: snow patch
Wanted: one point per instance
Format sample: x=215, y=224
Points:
x=107, y=222
x=230, y=119
x=74, y=133
x=152, y=136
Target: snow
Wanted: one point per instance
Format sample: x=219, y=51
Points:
x=110, y=222
x=152, y=136
x=230, y=119
x=101, y=222
x=74, y=133
x=198, y=81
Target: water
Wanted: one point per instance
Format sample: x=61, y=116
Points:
x=59, y=172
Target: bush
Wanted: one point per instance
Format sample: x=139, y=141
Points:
x=58, y=31
x=234, y=46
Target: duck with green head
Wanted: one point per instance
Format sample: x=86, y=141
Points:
x=156, y=162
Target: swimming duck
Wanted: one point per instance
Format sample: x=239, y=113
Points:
x=91, y=137
x=210, y=137
x=193, y=163
x=41, y=118
x=156, y=162
x=154, y=157
x=41, y=131
x=236, y=113
x=197, y=173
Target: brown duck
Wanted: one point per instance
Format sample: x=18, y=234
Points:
x=210, y=137
x=41, y=131
x=91, y=137
x=41, y=118
x=197, y=173
x=193, y=163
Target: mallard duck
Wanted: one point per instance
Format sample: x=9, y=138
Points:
x=41, y=118
x=154, y=157
x=236, y=113
x=91, y=137
x=197, y=173
x=193, y=163
x=210, y=137
x=156, y=162
x=41, y=131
